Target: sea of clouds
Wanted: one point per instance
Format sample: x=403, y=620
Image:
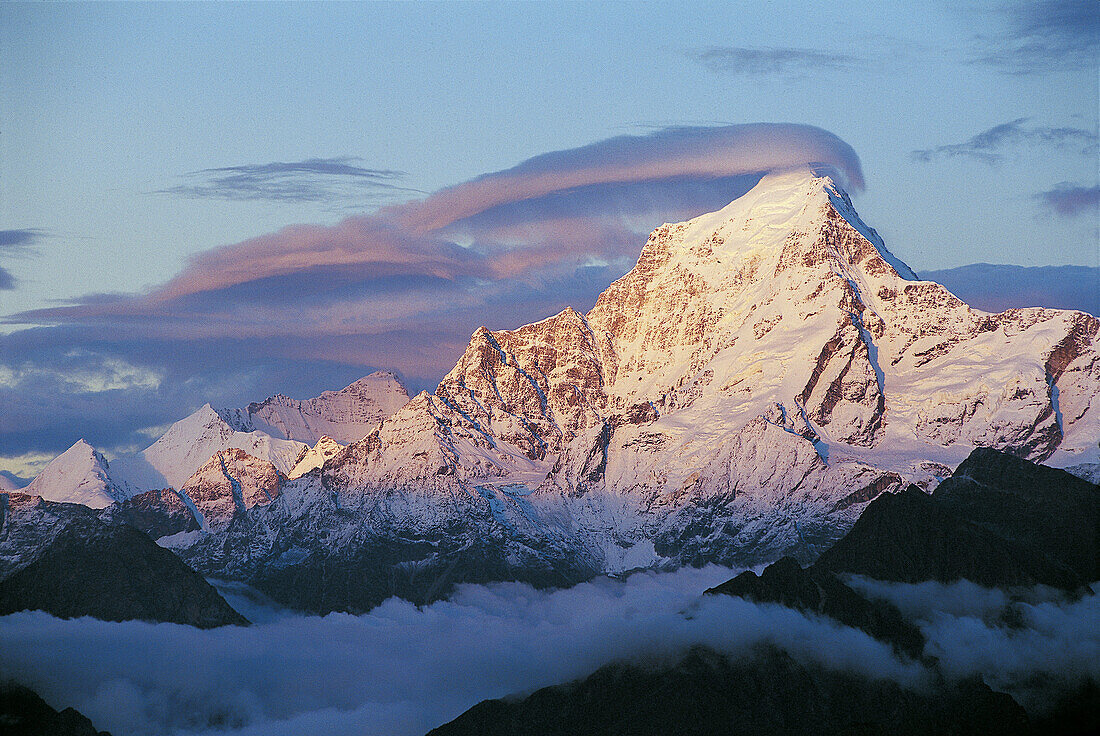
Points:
x=403, y=670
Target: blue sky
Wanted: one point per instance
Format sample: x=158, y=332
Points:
x=136, y=138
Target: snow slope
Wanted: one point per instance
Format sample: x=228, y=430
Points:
x=78, y=475
x=346, y=415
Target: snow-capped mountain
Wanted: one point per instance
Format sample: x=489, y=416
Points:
x=783, y=310
x=269, y=431
x=190, y=442
x=78, y=475
x=325, y=449
x=761, y=374
x=346, y=415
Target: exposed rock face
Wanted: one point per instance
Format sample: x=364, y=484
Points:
x=766, y=693
x=230, y=483
x=71, y=564
x=536, y=387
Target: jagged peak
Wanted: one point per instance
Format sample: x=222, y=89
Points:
x=492, y=337
x=566, y=314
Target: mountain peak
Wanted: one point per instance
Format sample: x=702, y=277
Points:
x=782, y=212
x=346, y=415
x=78, y=475
x=783, y=303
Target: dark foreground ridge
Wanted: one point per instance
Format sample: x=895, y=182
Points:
x=113, y=573
x=999, y=521
x=23, y=713
x=760, y=695
x=814, y=590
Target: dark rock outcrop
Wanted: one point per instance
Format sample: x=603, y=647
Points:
x=766, y=693
x=114, y=573
x=813, y=590
x=998, y=521
x=23, y=713
x=156, y=513
x=1054, y=513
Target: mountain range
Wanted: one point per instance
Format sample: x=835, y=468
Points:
x=740, y=395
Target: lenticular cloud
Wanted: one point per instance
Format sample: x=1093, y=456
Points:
x=668, y=153
x=408, y=238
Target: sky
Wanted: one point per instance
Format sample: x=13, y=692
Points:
x=218, y=202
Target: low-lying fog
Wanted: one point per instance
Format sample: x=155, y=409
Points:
x=404, y=670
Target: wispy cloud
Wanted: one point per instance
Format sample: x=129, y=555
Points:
x=14, y=243
x=12, y=240
x=311, y=180
x=771, y=60
x=1070, y=199
x=1043, y=36
x=990, y=146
